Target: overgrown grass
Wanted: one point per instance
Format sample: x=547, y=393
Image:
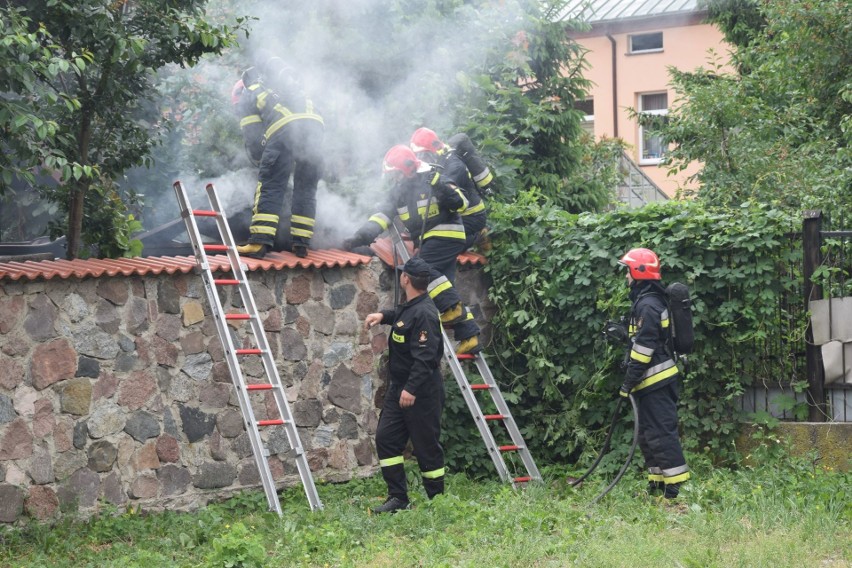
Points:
x=787, y=514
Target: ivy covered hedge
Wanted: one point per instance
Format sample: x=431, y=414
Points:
x=556, y=281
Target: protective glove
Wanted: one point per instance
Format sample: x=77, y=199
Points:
x=624, y=391
x=616, y=333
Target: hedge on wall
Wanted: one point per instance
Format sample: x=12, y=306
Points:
x=556, y=281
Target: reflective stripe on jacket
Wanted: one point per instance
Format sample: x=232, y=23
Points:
x=424, y=196
x=263, y=116
x=649, y=363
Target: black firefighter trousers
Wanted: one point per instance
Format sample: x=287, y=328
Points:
x=442, y=257
x=658, y=436
x=422, y=424
x=295, y=151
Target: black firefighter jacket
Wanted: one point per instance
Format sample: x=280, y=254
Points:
x=424, y=194
x=264, y=117
x=415, y=344
x=649, y=365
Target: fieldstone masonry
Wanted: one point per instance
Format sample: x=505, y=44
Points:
x=115, y=389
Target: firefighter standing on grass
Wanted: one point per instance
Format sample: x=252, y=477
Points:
x=429, y=208
x=652, y=374
x=414, y=399
x=429, y=148
x=283, y=133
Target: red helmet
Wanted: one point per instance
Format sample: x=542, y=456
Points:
x=425, y=140
x=237, y=91
x=643, y=264
x=400, y=161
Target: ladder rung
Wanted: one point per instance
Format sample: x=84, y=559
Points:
x=465, y=356
x=204, y=213
x=226, y=282
x=237, y=317
x=249, y=351
x=510, y=448
x=275, y=422
x=259, y=387
x=494, y=417
x=525, y=479
x=480, y=387
x=216, y=248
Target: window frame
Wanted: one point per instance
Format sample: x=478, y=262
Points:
x=631, y=51
x=588, y=120
x=641, y=138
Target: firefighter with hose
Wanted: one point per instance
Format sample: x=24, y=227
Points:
x=652, y=374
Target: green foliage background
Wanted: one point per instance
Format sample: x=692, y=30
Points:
x=556, y=281
x=80, y=77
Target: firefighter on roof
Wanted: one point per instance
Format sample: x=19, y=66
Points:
x=429, y=148
x=652, y=375
x=283, y=133
x=429, y=208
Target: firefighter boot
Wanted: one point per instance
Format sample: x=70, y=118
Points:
x=469, y=346
x=433, y=486
x=392, y=504
x=300, y=250
x=253, y=250
x=453, y=315
x=655, y=487
x=671, y=491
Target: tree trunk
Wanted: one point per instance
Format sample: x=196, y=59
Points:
x=75, y=220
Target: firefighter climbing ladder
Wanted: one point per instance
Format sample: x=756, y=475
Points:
x=468, y=392
x=233, y=354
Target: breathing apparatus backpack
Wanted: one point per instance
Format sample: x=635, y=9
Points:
x=682, y=336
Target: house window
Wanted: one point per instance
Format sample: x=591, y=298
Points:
x=646, y=43
x=651, y=147
x=587, y=107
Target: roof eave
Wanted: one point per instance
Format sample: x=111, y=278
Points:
x=642, y=23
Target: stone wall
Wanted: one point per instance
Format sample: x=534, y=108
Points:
x=115, y=390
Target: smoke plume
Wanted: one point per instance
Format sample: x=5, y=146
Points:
x=374, y=74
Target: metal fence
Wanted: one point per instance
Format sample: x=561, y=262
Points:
x=828, y=277
x=788, y=371
x=777, y=366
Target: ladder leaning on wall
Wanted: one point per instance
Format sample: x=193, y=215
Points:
x=234, y=355
x=489, y=385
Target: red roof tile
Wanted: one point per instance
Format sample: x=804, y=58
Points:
x=82, y=268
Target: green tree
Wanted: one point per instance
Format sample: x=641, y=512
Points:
x=100, y=58
x=31, y=59
x=778, y=129
x=519, y=105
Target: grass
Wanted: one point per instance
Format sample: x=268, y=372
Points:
x=785, y=515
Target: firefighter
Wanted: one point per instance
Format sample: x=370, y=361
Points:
x=429, y=208
x=284, y=134
x=429, y=148
x=414, y=399
x=652, y=375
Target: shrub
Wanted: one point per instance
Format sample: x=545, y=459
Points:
x=556, y=281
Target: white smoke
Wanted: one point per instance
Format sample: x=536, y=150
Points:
x=374, y=80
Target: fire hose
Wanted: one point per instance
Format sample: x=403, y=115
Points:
x=605, y=448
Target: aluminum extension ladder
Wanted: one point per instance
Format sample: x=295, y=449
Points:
x=233, y=354
x=469, y=393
